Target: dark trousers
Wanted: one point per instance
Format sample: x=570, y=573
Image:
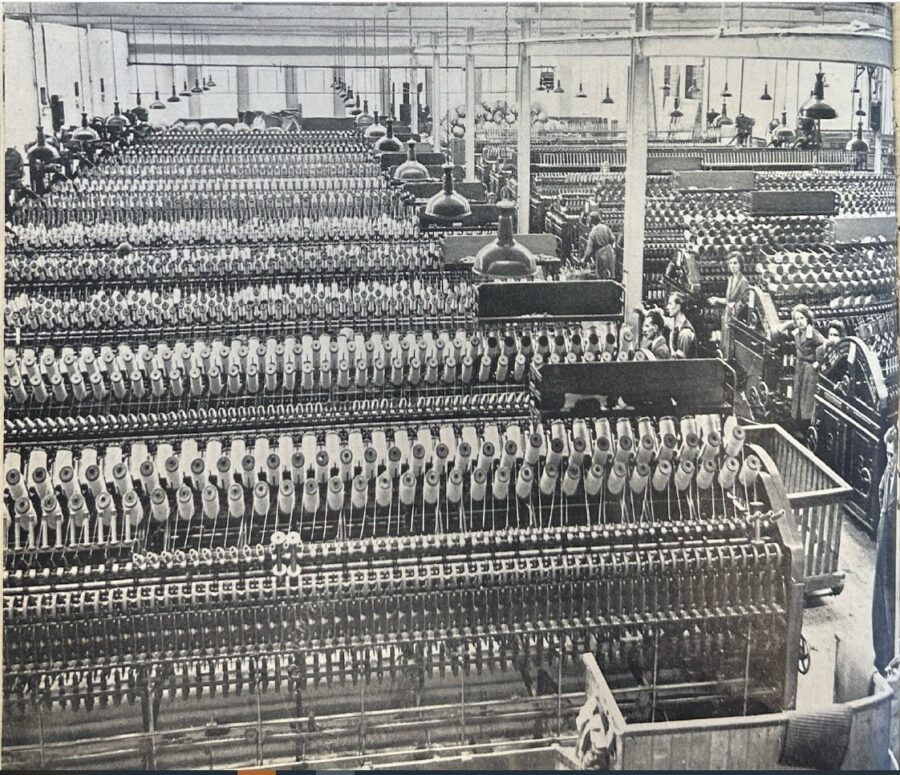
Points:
x=884, y=602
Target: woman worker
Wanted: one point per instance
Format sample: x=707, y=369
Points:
x=736, y=294
x=806, y=341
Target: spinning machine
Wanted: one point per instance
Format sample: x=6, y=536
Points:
x=371, y=515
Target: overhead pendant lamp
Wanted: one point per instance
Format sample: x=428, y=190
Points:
x=856, y=144
x=348, y=100
x=784, y=134
x=607, y=100
x=580, y=95
x=185, y=91
x=390, y=79
x=859, y=109
x=363, y=119
x=116, y=122
x=766, y=97
x=196, y=89
x=816, y=107
x=375, y=131
x=174, y=97
x=724, y=119
x=676, y=112
x=504, y=257
x=139, y=110
x=209, y=81
x=448, y=206
x=85, y=134
x=204, y=85
x=559, y=89
x=356, y=110
x=388, y=143
x=411, y=169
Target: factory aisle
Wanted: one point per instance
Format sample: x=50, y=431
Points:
x=847, y=615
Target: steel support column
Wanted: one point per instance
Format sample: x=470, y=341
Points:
x=470, y=106
x=637, y=117
x=523, y=135
x=243, y=89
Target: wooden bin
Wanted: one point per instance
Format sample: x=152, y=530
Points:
x=816, y=494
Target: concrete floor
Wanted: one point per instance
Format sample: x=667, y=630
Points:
x=847, y=615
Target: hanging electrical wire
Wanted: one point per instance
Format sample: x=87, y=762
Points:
x=79, y=87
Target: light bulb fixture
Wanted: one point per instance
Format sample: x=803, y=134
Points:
x=448, y=206
x=856, y=144
x=411, y=169
x=388, y=143
x=724, y=119
x=676, y=112
x=859, y=110
x=607, y=100
x=157, y=103
x=784, y=134
x=364, y=120
x=766, y=97
x=356, y=110
x=816, y=107
x=559, y=89
x=581, y=94
x=504, y=257
x=375, y=131
x=85, y=134
x=726, y=92
x=197, y=89
x=185, y=91
x=174, y=97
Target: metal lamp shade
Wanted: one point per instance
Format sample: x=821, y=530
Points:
x=116, y=122
x=816, y=107
x=504, y=257
x=607, y=100
x=157, y=103
x=197, y=88
x=411, y=169
x=447, y=205
x=363, y=119
x=724, y=119
x=41, y=151
x=185, y=91
x=356, y=110
x=84, y=133
x=581, y=93
x=375, y=131
x=174, y=97
x=388, y=143
x=857, y=144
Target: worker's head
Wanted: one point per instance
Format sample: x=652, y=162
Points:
x=890, y=442
x=594, y=217
x=123, y=250
x=674, y=304
x=735, y=262
x=836, y=331
x=802, y=316
x=653, y=324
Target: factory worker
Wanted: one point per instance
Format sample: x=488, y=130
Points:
x=802, y=327
x=884, y=601
x=834, y=333
x=682, y=337
x=736, y=294
x=654, y=340
x=600, y=249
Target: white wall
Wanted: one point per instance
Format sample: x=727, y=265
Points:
x=62, y=44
